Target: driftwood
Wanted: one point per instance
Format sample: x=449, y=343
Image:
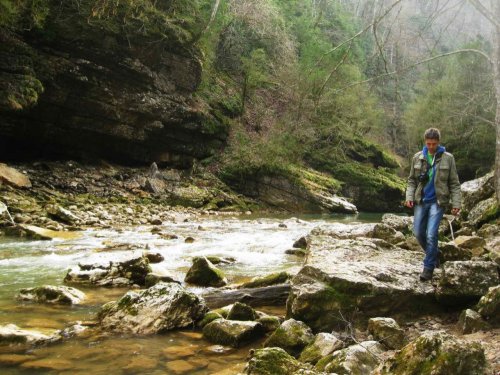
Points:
x=274, y=295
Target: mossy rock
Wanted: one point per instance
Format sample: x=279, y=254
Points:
x=272, y=361
x=272, y=279
x=324, y=344
x=357, y=359
x=436, y=353
x=293, y=336
x=204, y=273
x=241, y=311
x=269, y=322
x=208, y=318
x=232, y=332
x=489, y=305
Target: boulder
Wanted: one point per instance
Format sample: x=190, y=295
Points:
x=463, y=282
x=269, y=322
x=13, y=177
x=449, y=252
x=484, y=211
x=489, y=305
x=477, y=190
x=301, y=243
x=129, y=270
x=240, y=311
x=52, y=294
x=36, y=233
x=436, y=353
x=62, y=214
x=473, y=243
x=154, y=257
x=362, y=276
x=360, y=359
x=400, y=223
x=387, y=332
x=292, y=336
x=210, y=317
x=204, y=273
x=163, y=307
x=272, y=361
x=343, y=231
x=387, y=233
x=272, y=279
x=471, y=321
x=323, y=345
x=234, y=333
x=12, y=334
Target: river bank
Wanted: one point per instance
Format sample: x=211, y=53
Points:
x=347, y=275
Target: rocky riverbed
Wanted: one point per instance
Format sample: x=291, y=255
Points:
x=346, y=294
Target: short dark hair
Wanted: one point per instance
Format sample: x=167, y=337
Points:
x=432, y=133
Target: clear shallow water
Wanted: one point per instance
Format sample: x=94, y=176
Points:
x=258, y=244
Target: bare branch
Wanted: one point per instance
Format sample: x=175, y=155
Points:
x=406, y=68
x=485, y=12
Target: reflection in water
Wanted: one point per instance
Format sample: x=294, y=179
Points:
x=258, y=245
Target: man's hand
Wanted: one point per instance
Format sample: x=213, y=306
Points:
x=409, y=204
x=455, y=211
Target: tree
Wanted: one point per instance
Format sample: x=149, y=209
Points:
x=492, y=14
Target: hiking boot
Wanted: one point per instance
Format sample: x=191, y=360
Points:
x=426, y=274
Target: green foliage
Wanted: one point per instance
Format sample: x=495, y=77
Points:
x=457, y=96
x=25, y=14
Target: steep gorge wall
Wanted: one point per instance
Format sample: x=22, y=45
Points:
x=111, y=87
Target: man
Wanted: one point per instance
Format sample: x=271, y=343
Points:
x=433, y=186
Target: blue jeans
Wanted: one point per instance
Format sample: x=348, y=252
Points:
x=425, y=227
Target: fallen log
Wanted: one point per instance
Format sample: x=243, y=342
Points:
x=274, y=295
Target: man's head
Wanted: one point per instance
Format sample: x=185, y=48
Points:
x=431, y=140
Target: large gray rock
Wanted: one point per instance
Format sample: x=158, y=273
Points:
x=343, y=231
x=476, y=190
x=489, y=305
x=471, y=321
x=323, y=345
x=62, y=214
x=360, y=359
x=400, y=223
x=387, y=233
x=52, y=294
x=12, y=334
x=292, y=335
x=387, y=331
x=463, y=282
x=129, y=270
x=234, y=333
x=204, y=273
x=473, y=243
x=484, y=211
x=436, y=353
x=273, y=361
x=362, y=276
x=449, y=251
x=160, y=308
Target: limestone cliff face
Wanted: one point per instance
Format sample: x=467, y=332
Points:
x=78, y=88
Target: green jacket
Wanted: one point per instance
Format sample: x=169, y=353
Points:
x=445, y=180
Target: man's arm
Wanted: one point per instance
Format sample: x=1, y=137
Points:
x=411, y=186
x=454, y=186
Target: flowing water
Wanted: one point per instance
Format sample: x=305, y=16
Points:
x=258, y=244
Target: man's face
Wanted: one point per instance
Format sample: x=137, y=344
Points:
x=432, y=145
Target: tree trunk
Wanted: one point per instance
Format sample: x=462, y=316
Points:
x=274, y=295
x=496, y=80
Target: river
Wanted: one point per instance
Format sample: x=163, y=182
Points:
x=257, y=243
